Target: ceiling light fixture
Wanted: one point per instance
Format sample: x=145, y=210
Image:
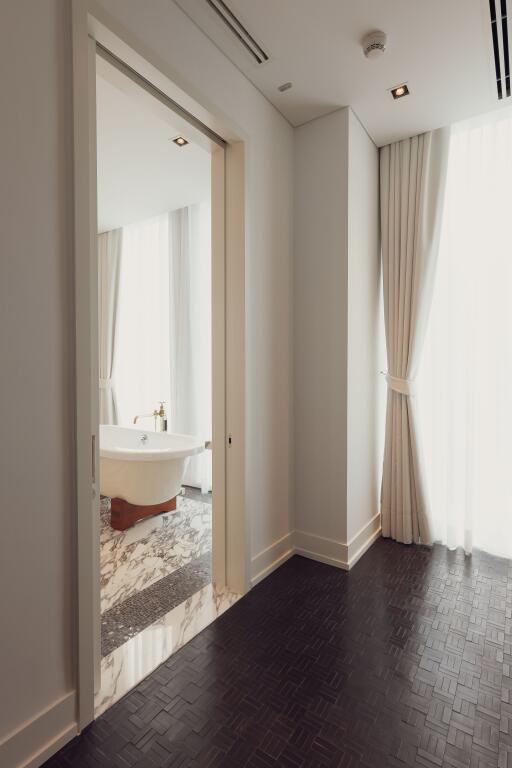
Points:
x=180, y=141
x=284, y=87
x=400, y=91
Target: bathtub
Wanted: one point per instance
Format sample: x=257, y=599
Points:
x=142, y=468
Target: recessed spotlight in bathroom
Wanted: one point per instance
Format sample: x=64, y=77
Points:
x=284, y=87
x=400, y=91
x=180, y=141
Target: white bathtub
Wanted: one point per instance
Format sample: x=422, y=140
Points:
x=144, y=468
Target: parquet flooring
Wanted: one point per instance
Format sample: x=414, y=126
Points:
x=404, y=661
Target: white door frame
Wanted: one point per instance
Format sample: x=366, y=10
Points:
x=230, y=531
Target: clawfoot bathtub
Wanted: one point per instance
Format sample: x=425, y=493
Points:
x=142, y=471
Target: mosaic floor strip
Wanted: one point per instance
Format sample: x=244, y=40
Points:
x=127, y=619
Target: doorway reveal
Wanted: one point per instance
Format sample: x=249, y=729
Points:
x=155, y=383
x=230, y=551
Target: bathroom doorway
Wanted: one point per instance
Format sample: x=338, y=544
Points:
x=160, y=482
x=230, y=541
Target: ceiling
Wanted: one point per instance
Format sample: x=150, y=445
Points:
x=441, y=48
x=141, y=172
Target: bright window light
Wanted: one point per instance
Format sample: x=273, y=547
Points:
x=465, y=385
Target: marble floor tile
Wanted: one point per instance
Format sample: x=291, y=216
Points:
x=134, y=559
x=163, y=556
x=133, y=563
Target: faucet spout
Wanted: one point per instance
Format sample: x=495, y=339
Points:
x=145, y=416
x=159, y=416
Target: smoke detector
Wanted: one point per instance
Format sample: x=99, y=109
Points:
x=374, y=44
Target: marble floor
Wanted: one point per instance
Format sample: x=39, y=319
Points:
x=134, y=559
x=124, y=621
x=156, y=591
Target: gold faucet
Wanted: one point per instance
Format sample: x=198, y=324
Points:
x=163, y=417
x=160, y=414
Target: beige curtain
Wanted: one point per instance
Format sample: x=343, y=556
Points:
x=412, y=183
x=109, y=264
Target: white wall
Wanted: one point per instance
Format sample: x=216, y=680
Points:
x=36, y=379
x=336, y=284
x=365, y=415
x=37, y=557
x=320, y=326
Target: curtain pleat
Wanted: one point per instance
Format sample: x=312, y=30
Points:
x=412, y=183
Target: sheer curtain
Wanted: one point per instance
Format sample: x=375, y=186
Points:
x=109, y=267
x=465, y=383
x=190, y=339
x=142, y=356
x=163, y=352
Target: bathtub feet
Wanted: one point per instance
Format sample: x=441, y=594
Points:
x=123, y=514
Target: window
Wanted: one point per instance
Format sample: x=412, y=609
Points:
x=465, y=383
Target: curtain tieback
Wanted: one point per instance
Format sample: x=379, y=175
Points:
x=105, y=383
x=403, y=386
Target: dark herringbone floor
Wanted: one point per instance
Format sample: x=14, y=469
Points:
x=404, y=661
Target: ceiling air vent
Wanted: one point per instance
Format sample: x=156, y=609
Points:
x=499, y=30
x=236, y=27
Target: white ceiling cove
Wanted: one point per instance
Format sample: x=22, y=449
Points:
x=141, y=172
x=441, y=48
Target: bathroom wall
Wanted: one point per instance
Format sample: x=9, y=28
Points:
x=37, y=558
x=336, y=339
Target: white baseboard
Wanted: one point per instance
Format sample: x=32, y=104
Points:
x=271, y=558
x=324, y=550
x=30, y=745
x=363, y=539
x=339, y=554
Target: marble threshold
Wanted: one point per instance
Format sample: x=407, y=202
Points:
x=129, y=664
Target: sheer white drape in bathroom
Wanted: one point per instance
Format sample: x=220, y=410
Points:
x=164, y=328
x=142, y=359
x=190, y=339
x=465, y=382
x=109, y=268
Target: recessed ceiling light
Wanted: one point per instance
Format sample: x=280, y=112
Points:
x=400, y=91
x=284, y=87
x=180, y=141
